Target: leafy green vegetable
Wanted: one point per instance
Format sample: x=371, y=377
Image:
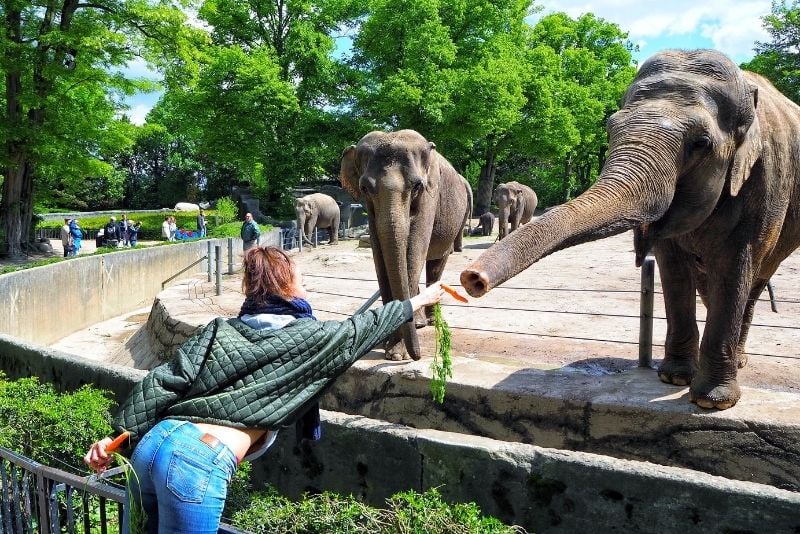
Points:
x=442, y=364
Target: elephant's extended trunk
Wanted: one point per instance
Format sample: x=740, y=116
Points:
x=632, y=190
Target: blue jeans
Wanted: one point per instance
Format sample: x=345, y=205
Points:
x=181, y=482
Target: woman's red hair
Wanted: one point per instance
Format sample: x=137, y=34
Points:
x=267, y=271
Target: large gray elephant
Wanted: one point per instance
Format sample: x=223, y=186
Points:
x=516, y=203
x=703, y=165
x=317, y=210
x=417, y=205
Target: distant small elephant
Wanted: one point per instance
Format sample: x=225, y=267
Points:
x=516, y=203
x=485, y=225
x=317, y=210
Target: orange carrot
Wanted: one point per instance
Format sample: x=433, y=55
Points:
x=118, y=441
x=455, y=294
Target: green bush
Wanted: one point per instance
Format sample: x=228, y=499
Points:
x=233, y=229
x=227, y=209
x=326, y=513
x=52, y=428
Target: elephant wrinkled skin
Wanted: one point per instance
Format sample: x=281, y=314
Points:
x=516, y=203
x=703, y=164
x=317, y=210
x=417, y=205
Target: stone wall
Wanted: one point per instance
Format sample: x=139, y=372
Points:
x=543, y=490
x=44, y=304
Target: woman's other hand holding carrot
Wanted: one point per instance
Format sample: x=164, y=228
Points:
x=98, y=458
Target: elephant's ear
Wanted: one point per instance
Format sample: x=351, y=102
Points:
x=348, y=173
x=437, y=167
x=749, y=149
x=520, y=204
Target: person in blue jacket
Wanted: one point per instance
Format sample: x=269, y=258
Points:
x=77, y=236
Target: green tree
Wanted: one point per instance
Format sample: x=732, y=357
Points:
x=57, y=59
x=779, y=59
x=595, y=68
x=455, y=73
x=269, y=99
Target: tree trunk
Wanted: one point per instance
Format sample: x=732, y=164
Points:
x=483, y=199
x=566, y=182
x=12, y=205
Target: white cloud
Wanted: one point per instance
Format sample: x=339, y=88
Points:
x=731, y=27
x=138, y=113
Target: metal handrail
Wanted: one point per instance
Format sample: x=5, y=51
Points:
x=174, y=276
x=38, y=498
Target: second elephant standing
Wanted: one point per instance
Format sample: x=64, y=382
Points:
x=317, y=210
x=516, y=203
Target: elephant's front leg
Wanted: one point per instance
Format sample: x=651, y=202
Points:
x=715, y=385
x=681, y=344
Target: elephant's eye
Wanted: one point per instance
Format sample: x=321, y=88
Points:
x=702, y=142
x=416, y=188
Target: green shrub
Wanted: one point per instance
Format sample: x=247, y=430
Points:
x=227, y=209
x=233, y=229
x=407, y=512
x=52, y=428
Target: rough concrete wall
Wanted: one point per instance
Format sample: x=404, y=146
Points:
x=47, y=303
x=612, y=414
x=543, y=490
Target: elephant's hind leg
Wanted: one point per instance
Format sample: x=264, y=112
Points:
x=681, y=347
x=749, y=310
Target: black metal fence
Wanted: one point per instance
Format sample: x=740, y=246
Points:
x=35, y=498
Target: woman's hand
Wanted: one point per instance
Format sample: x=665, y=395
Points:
x=430, y=295
x=97, y=458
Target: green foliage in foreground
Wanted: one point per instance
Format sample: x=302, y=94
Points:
x=52, y=428
x=326, y=513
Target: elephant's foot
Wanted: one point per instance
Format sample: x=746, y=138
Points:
x=677, y=371
x=708, y=393
x=396, y=356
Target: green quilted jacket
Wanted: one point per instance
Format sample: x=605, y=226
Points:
x=233, y=375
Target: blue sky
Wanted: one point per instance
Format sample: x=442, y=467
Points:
x=729, y=26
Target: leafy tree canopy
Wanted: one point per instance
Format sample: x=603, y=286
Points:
x=779, y=59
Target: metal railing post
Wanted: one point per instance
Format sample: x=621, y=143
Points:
x=208, y=256
x=370, y=301
x=218, y=256
x=646, y=313
x=230, y=255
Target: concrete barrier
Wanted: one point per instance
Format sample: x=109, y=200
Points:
x=44, y=304
x=543, y=490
